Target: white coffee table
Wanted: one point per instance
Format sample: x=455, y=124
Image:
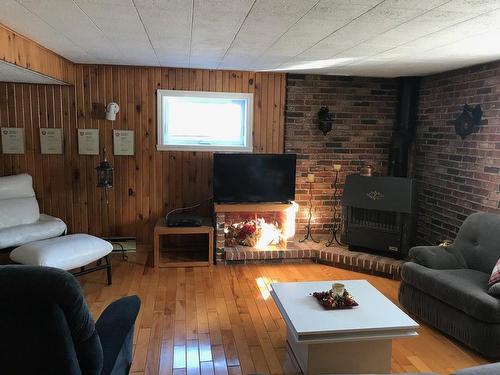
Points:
x=352, y=341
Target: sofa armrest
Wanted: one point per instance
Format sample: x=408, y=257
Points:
x=491, y=369
x=436, y=257
x=115, y=328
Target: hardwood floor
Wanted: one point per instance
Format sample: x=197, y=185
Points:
x=221, y=320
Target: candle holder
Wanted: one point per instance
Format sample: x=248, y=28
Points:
x=309, y=236
x=336, y=224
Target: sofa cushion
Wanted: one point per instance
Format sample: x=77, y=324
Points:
x=67, y=252
x=46, y=227
x=494, y=281
x=463, y=289
x=478, y=241
x=17, y=186
x=18, y=211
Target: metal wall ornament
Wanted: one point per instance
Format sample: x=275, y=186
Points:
x=325, y=120
x=469, y=121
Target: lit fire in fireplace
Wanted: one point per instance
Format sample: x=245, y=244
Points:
x=256, y=233
x=270, y=234
x=262, y=231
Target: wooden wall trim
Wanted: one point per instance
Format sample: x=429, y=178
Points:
x=21, y=51
x=151, y=182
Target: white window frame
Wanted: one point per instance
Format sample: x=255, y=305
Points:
x=248, y=138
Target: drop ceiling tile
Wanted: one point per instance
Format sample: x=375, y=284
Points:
x=215, y=24
x=70, y=21
x=413, y=4
x=472, y=6
x=326, y=18
x=169, y=28
x=263, y=26
x=428, y=23
x=377, y=21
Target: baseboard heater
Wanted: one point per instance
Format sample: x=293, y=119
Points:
x=122, y=244
x=379, y=214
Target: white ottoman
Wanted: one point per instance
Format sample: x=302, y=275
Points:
x=66, y=252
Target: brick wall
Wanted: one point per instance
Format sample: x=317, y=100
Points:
x=457, y=177
x=365, y=114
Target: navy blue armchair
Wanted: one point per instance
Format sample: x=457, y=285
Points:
x=46, y=327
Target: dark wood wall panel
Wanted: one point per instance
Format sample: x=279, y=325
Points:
x=148, y=184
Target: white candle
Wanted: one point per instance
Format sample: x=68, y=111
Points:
x=337, y=167
x=338, y=288
x=310, y=177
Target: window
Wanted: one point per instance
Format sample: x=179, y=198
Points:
x=204, y=121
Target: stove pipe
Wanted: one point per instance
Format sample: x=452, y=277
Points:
x=404, y=132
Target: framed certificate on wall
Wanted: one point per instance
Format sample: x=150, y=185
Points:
x=88, y=141
x=123, y=142
x=12, y=140
x=51, y=141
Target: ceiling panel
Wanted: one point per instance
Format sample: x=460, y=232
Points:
x=358, y=37
x=69, y=20
x=119, y=23
x=168, y=24
x=215, y=23
x=380, y=19
x=267, y=21
x=325, y=18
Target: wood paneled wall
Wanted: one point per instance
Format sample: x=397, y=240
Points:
x=21, y=51
x=148, y=184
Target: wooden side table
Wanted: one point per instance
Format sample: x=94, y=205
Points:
x=161, y=229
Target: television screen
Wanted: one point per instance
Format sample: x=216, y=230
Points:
x=240, y=178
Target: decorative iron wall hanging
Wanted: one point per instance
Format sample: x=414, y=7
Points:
x=469, y=121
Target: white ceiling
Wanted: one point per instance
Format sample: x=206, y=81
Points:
x=352, y=37
x=14, y=73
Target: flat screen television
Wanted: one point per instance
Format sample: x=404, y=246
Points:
x=254, y=178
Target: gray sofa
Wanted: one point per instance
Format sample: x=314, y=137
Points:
x=446, y=287
x=491, y=369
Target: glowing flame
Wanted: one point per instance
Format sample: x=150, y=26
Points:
x=269, y=235
x=262, y=235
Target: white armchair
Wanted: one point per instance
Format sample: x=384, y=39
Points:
x=20, y=218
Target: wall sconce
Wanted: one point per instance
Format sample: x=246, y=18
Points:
x=111, y=110
x=325, y=120
x=469, y=120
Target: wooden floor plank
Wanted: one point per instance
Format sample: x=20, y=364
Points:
x=221, y=320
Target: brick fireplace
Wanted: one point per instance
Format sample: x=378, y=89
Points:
x=259, y=227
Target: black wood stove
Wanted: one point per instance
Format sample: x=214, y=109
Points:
x=379, y=213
